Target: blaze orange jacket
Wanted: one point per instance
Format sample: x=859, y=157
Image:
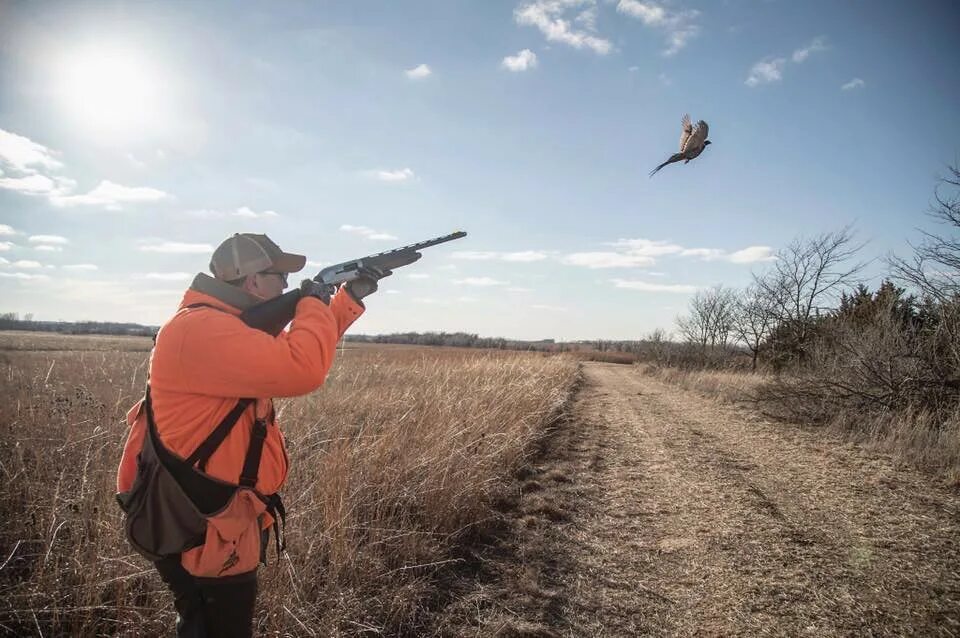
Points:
x=204, y=360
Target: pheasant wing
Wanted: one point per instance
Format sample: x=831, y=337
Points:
x=699, y=136
x=687, y=130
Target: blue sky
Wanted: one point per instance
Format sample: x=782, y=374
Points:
x=134, y=137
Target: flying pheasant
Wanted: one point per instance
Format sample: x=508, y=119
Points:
x=692, y=142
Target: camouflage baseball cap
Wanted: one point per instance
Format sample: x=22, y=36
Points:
x=245, y=254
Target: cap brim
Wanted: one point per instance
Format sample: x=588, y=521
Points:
x=288, y=262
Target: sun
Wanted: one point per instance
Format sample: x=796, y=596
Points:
x=113, y=92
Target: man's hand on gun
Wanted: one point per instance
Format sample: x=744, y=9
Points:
x=366, y=282
x=363, y=286
x=311, y=288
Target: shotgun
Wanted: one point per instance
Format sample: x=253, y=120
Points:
x=273, y=315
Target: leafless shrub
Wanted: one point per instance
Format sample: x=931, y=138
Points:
x=804, y=283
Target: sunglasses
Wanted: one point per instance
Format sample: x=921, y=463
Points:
x=281, y=275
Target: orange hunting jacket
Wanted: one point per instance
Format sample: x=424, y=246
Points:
x=204, y=360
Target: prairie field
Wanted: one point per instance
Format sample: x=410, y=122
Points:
x=396, y=463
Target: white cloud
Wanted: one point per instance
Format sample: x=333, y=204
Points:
x=175, y=247
x=480, y=281
x=249, y=213
x=81, y=267
x=646, y=247
x=400, y=175
x=752, y=254
x=23, y=154
x=418, y=275
x=548, y=16
x=7, y=231
x=367, y=233
x=30, y=184
x=418, y=72
x=816, y=45
x=855, y=83
x=647, y=12
x=112, y=196
x=645, y=286
x=519, y=289
x=23, y=275
x=48, y=249
x=168, y=276
x=523, y=60
x=6, y=245
x=489, y=255
x=607, y=260
x=48, y=239
x=680, y=26
x=771, y=69
x=766, y=71
x=26, y=263
x=644, y=252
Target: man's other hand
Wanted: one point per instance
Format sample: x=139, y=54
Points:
x=311, y=288
x=366, y=282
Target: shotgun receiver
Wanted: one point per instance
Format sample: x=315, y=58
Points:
x=273, y=315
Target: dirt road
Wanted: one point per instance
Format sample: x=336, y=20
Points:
x=655, y=511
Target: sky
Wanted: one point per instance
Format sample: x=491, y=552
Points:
x=136, y=136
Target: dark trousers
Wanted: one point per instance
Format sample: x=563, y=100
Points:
x=210, y=607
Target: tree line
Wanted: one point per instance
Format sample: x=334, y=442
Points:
x=832, y=343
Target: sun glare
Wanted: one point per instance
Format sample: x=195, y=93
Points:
x=112, y=92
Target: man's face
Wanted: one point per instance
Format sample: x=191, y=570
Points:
x=266, y=285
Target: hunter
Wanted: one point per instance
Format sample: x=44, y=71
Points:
x=207, y=429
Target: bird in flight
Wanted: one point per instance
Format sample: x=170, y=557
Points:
x=692, y=142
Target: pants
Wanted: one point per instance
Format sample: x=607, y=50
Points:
x=210, y=607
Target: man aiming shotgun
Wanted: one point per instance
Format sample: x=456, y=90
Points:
x=205, y=459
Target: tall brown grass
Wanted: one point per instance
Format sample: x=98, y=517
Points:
x=395, y=464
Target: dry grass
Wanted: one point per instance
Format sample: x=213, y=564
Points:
x=726, y=385
x=395, y=464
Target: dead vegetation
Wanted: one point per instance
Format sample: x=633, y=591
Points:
x=395, y=464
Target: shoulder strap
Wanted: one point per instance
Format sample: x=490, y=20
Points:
x=206, y=449
x=251, y=464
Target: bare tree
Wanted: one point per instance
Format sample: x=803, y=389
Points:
x=710, y=321
x=806, y=279
x=754, y=317
x=935, y=267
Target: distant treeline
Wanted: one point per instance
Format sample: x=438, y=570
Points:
x=469, y=340
x=12, y=321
